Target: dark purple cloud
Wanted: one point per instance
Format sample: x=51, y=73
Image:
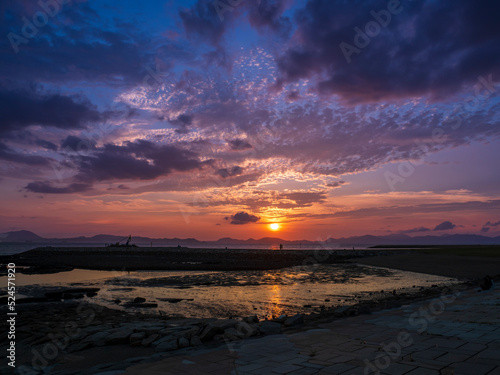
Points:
x=208, y=20
x=304, y=199
x=336, y=184
x=486, y=227
x=45, y=187
x=427, y=47
x=182, y=122
x=139, y=160
x=202, y=21
x=491, y=224
x=234, y=171
x=77, y=144
x=10, y=155
x=239, y=144
x=242, y=218
x=445, y=225
x=21, y=108
x=265, y=14
x=81, y=45
x=46, y=144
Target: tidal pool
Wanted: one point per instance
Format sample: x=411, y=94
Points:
x=220, y=294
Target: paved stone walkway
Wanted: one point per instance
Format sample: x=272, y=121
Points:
x=457, y=333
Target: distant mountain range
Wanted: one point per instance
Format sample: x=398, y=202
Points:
x=24, y=236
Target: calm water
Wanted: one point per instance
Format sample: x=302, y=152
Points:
x=234, y=293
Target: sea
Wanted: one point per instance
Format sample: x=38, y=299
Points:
x=223, y=294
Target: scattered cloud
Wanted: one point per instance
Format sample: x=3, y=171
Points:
x=445, y=225
x=234, y=171
x=77, y=144
x=490, y=224
x=242, y=218
x=239, y=144
x=45, y=187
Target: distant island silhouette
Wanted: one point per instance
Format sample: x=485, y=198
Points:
x=23, y=236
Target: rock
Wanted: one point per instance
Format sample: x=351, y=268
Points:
x=141, y=305
x=364, y=309
x=152, y=329
x=341, y=311
x=72, y=296
x=191, y=332
x=139, y=300
x=251, y=319
x=118, y=337
x=176, y=331
x=97, y=339
x=270, y=328
x=136, y=338
x=183, y=342
x=174, y=300
x=232, y=334
x=91, y=294
x=149, y=340
x=77, y=347
x=210, y=331
x=281, y=319
x=70, y=293
x=165, y=344
x=195, y=341
x=248, y=330
x=294, y=320
x=224, y=324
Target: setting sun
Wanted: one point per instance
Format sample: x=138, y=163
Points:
x=274, y=226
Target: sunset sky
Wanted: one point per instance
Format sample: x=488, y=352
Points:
x=205, y=119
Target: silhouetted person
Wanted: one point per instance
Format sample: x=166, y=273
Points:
x=487, y=283
x=128, y=240
x=281, y=247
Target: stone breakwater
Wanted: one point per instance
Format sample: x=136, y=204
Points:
x=163, y=258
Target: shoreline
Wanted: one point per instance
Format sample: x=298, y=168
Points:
x=181, y=259
x=121, y=335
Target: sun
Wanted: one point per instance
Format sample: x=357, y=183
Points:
x=274, y=226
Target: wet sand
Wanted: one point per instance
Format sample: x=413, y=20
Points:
x=461, y=267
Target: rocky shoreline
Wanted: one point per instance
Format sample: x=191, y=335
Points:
x=64, y=332
x=72, y=325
